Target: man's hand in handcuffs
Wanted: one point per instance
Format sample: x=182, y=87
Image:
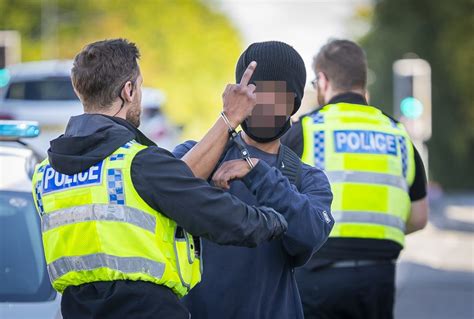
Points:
x=239, y=99
x=230, y=171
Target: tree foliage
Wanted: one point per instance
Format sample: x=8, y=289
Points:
x=188, y=50
x=440, y=32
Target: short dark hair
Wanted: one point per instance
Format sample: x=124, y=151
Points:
x=101, y=69
x=344, y=63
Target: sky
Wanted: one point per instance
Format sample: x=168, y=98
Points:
x=304, y=24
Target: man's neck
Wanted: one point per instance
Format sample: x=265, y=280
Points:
x=348, y=97
x=271, y=147
x=333, y=94
x=115, y=110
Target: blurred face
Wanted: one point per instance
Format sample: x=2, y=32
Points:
x=135, y=108
x=273, y=109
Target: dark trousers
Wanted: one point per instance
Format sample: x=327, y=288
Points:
x=365, y=292
x=121, y=299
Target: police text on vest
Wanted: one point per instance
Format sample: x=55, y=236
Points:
x=53, y=180
x=361, y=141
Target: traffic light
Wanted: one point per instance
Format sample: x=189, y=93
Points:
x=411, y=108
x=4, y=77
x=412, y=96
x=9, y=54
x=3, y=56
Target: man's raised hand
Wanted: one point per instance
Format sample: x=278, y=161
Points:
x=239, y=99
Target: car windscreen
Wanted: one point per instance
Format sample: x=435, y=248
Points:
x=23, y=274
x=50, y=89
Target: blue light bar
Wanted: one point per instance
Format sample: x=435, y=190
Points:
x=18, y=129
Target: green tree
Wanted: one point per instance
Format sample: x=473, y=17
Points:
x=441, y=33
x=188, y=50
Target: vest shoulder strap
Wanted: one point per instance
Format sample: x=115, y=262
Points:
x=290, y=165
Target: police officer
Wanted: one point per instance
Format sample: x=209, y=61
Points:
x=379, y=187
x=118, y=213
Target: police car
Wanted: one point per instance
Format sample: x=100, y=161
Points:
x=25, y=289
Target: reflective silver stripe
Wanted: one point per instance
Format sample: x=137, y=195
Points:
x=127, y=265
x=184, y=283
x=367, y=178
x=369, y=217
x=98, y=212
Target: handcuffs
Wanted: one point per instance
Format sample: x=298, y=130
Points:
x=233, y=137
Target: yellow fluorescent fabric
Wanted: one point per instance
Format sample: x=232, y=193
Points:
x=97, y=228
x=369, y=161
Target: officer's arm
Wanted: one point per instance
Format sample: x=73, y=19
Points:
x=308, y=213
x=418, y=216
x=168, y=185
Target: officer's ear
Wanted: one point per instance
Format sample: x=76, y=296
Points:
x=128, y=91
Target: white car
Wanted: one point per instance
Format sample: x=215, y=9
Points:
x=42, y=91
x=25, y=289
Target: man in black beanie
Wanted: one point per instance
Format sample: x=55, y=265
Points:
x=259, y=282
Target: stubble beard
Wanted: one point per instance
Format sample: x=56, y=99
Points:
x=133, y=115
x=320, y=97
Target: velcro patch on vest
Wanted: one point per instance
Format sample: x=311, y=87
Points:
x=55, y=181
x=362, y=141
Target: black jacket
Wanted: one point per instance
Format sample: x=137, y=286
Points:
x=165, y=183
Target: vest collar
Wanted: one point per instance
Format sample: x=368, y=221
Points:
x=139, y=136
x=348, y=97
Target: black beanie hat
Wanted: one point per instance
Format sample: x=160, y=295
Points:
x=276, y=61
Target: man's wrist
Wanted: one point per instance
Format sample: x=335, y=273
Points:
x=230, y=120
x=255, y=175
x=230, y=127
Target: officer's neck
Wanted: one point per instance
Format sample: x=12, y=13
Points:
x=271, y=147
x=330, y=94
x=115, y=110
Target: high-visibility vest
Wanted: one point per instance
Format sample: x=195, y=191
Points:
x=96, y=227
x=369, y=161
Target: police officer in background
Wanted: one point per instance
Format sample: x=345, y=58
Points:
x=379, y=187
x=116, y=209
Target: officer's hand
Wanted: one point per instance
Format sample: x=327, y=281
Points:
x=239, y=99
x=231, y=170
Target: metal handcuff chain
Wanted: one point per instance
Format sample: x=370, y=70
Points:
x=233, y=137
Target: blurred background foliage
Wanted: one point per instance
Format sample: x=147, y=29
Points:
x=440, y=32
x=188, y=50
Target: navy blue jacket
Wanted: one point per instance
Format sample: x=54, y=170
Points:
x=259, y=282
